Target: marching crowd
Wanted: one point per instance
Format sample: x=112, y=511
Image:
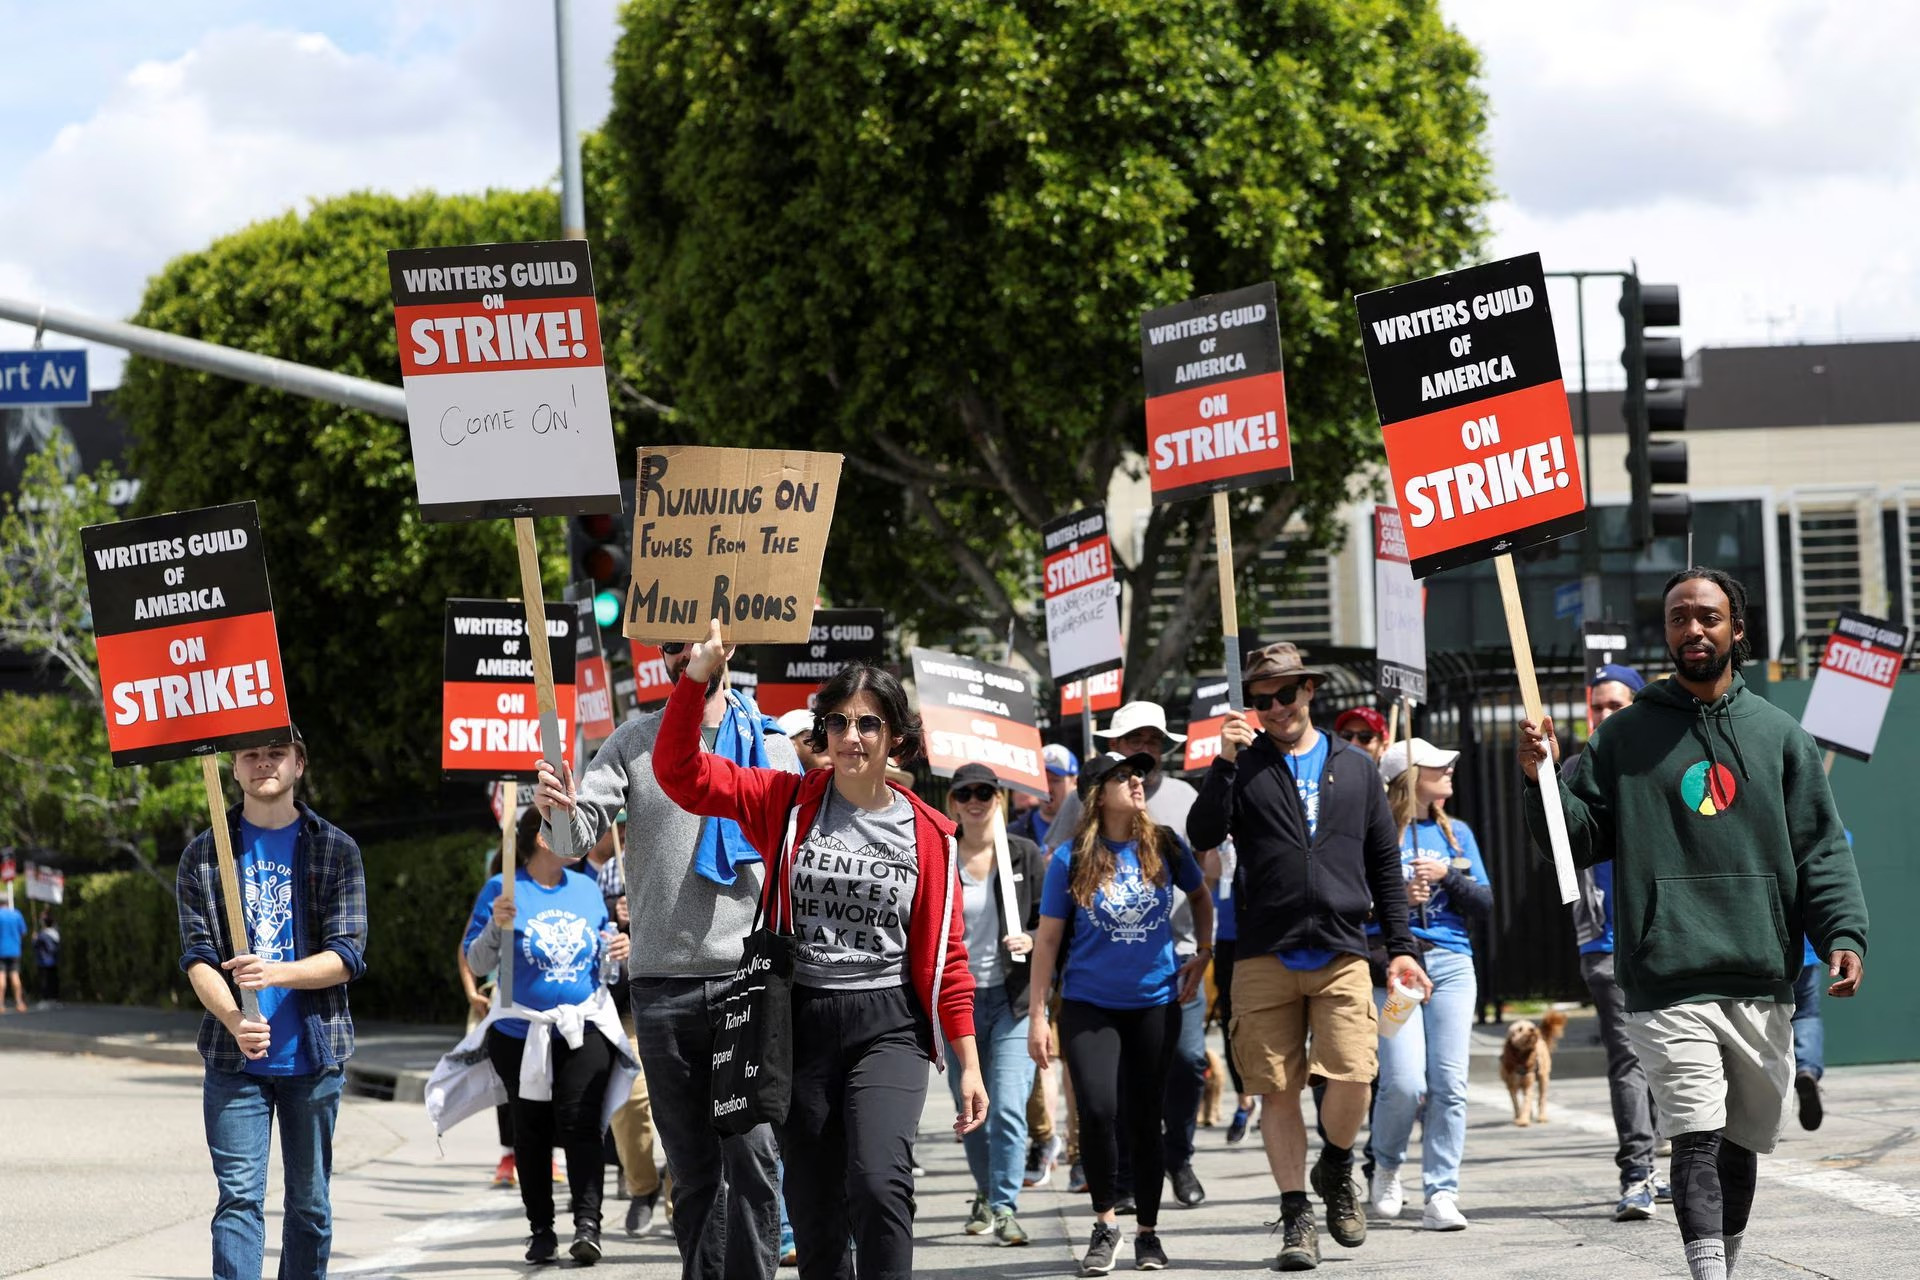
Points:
x=1313, y=872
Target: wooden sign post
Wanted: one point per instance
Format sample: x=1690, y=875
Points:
x=1003, y=871
x=231, y=901
x=1479, y=441
x=509, y=803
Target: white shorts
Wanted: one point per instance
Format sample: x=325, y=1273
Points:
x=1721, y=1064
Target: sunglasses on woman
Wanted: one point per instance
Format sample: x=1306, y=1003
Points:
x=1283, y=695
x=968, y=795
x=835, y=725
x=1122, y=775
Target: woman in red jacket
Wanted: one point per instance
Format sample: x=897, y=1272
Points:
x=870, y=874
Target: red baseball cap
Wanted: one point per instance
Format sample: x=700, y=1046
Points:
x=1361, y=715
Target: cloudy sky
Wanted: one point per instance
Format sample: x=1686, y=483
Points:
x=1762, y=155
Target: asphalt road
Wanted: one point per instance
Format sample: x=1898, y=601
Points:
x=103, y=1172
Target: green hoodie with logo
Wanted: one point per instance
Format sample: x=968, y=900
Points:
x=1726, y=846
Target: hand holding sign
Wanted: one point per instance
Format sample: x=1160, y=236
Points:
x=1534, y=749
x=1236, y=733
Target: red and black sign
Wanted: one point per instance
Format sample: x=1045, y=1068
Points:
x=1854, y=685
x=593, y=682
x=183, y=620
x=975, y=712
x=1206, y=717
x=790, y=674
x=1216, y=395
x=490, y=719
x=1466, y=377
x=1106, y=693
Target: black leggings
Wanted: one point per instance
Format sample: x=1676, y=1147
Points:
x=570, y=1121
x=1713, y=1179
x=1223, y=953
x=1108, y=1051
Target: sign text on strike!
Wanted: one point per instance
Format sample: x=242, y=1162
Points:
x=1216, y=394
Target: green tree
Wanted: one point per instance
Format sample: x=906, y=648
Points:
x=922, y=233
x=358, y=577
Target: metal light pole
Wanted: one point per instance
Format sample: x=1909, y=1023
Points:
x=573, y=205
x=1592, y=606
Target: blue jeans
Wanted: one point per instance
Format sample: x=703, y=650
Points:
x=1186, y=1081
x=240, y=1110
x=997, y=1150
x=1428, y=1056
x=1809, y=1033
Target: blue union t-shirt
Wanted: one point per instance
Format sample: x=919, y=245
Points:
x=13, y=927
x=1120, y=955
x=1307, y=768
x=271, y=891
x=556, y=941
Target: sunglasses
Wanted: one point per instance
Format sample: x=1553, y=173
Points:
x=968, y=795
x=672, y=649
x=836, y=724
x=1121, y=775
x=1284, y=696
x=1360, y=737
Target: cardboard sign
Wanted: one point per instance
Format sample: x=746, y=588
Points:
x=733, y=534
x=506, y=389
x=1083, y=600
x=1399, y=613
x=1216, y=396
x=1206, y=717
x=976, y=712
x=593, y=683
x=1848, y=701
x=1106, y=692
x=489, y=725
x=183, y=620
x=791, y=673
x=1466, y=377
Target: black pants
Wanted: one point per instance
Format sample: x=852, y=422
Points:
x=1111, y=1052
x=859, y=1086
x=1223, y=954
x=570, y=1121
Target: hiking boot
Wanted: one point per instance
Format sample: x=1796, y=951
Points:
x=543, y=1246
x=1147, y=1253
x=586, y=1245
x=1100, y=1250
x=1636, y=1202
x=1812, y=1110
x=1007, y=1229
x=1186, y=1187
x=1077, y=1179
x=979, y=1220
x=1299, y=1241
x=1345, y=1223
x=640, y=1213
x=1237, y=1130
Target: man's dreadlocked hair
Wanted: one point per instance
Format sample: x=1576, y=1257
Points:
x=1736, y=604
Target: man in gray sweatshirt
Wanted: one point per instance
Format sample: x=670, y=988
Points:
x=692, y=889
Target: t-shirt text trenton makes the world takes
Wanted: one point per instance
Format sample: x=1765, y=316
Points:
x=853, y=883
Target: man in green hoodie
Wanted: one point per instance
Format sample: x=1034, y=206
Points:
x=1726, y=846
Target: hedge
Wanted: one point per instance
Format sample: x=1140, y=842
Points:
x=120, y=940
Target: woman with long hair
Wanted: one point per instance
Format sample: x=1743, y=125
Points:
x=866, y=871
x=996, y=953
x=1106, y=914
x=1448, y=889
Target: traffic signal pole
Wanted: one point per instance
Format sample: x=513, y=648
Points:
x=1591, y=605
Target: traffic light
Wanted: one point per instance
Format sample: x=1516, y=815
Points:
x=599, y=547
x=1658, y=360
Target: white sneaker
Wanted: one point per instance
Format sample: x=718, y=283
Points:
x=1383, y=1193
x=1443, y=1213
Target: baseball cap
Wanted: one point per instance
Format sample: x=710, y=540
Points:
x=1098, y=767
x=1361, y=717
x=968, y=775
x=1425, y=755
x=1614, y=671
x=799, y=720
x=1061, y=763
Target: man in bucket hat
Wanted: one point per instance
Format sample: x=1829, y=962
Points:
x=1317, y=852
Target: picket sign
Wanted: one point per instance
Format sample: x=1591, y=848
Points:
x=1530, y=694
x=1393, y=721
x=1003, y=866
x=229, y=877
x=1826, y=765
x=533, y=596
x=509, y=801
x=1393, y=718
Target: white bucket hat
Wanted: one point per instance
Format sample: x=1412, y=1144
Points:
x=1139, y=715
x=1427, y=756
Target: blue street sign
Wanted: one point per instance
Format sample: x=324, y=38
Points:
x=43, y=377
x=1567, y=602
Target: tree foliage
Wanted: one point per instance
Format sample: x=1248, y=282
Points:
x=358, y=577
x=922, y=233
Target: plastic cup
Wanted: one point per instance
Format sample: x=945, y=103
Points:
x=1402, y=1000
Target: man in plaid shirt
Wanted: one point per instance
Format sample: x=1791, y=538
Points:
x=305, y=901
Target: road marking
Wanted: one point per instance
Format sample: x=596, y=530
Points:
x=456, y=1224
x=1875, y=1195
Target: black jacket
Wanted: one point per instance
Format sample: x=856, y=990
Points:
x=1029, y=876
x=1292, y=896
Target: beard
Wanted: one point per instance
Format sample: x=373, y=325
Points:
x=1701, y=671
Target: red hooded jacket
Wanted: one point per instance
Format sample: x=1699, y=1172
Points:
x=776, y=809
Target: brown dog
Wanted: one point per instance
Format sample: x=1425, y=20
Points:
x=1210, y=1094
x=1526, y=1063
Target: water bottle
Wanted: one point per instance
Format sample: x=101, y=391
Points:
x=609, y=967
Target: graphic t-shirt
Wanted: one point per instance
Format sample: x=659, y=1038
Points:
x=1445, y=927
x=983, y=927
x=1120, y=954
x=853, y=882
x=556, y=940
x=1307, y=768
x=13, y=928
x=271, y=893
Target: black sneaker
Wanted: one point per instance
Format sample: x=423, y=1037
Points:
x=1186, y=1187
x=586, y=1245
x=1147, y=1253
x=543, y=1246
x=1812, y=1111
x=1345, y=1223
x=1299, y=1241
x=640, y=1213
x=1125, y=1206
x=1237, y=1130
x=1035, y=1175
x=1100, y=1250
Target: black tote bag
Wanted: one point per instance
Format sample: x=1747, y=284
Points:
x=752, y=1078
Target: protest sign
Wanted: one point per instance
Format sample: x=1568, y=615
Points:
x=733, y=534
x=1106, y=693
x=593, y=682
x=972, y=711
x=1399, y=612
x=1082, y=597
x=1216, y=396
x=506, y=390
x=44, y=884
x=183, y=623
x=790, y=673
x=489, y=723
x=1206, y=717
x=1851, y=690
x=651, y=683
x=1466, y=377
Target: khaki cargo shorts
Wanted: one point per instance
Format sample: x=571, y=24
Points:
x=1289, y=1024
x=1719, y=1064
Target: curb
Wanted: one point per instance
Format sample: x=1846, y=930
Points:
x=364, y=1080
